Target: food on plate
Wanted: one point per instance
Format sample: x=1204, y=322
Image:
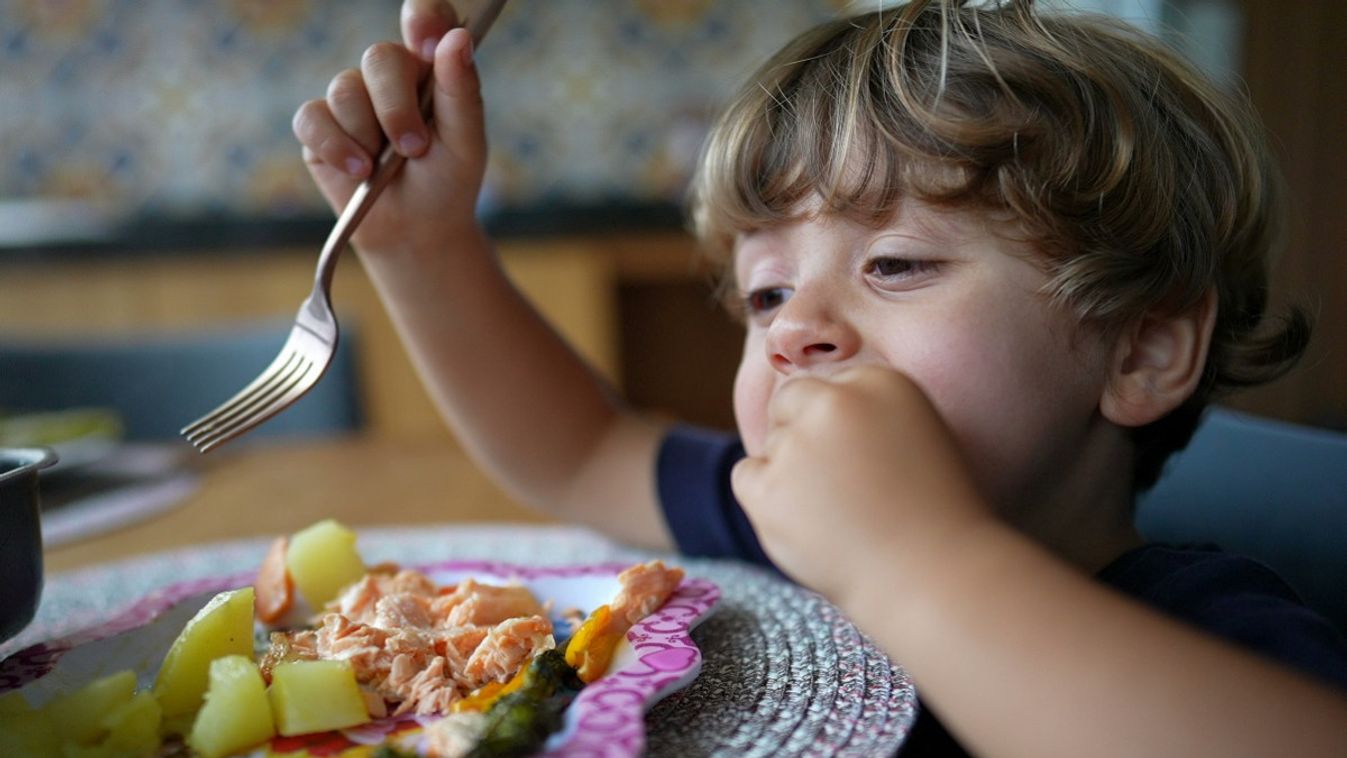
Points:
x=105, y=717
x=133, y=726
x=25, y=730
x=645, y=587
x=322, y=559
x=237, y=711
x=484, y=657
x=79, y=714
x=592, y=647
x=466, y=668
x=274, y=588
x=316, y=696
x=223, y=627
x=517, y=722
x=418, y=648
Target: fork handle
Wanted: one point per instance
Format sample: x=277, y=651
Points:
x=388, y=163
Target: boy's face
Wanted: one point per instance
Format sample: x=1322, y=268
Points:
x=939, y=297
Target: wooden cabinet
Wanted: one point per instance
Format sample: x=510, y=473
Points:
x=572, y=282
x=1293, y=68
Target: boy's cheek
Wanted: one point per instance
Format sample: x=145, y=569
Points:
x=752, y=392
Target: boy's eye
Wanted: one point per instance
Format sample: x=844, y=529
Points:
x=765, y=299
x=897, y=268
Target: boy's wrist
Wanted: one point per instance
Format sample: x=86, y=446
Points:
x=418, y=246
x=440, y=270
x=919, y=581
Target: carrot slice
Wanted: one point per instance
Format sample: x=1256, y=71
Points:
x=275, y=589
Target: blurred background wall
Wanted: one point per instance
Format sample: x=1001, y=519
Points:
x=149, y=178
x=184, y=106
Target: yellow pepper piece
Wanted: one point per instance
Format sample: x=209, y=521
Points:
x=591, y=649
x=482, y=698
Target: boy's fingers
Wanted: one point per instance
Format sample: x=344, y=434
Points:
x=424, y=22
x=790, y=398
x=324, y=139
x=336, y=186
x=458, y=97
x=391, y=78
x=350, y=104
x=744, y=477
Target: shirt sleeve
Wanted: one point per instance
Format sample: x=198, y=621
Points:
x=693, y=481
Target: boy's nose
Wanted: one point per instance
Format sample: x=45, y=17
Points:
x=803, y=336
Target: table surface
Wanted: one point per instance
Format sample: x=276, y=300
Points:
x=278, y=488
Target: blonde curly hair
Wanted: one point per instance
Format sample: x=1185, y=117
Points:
x=1143, y=185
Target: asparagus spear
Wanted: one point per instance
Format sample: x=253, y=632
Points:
x=520, y=722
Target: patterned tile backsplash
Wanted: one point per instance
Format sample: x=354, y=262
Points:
x=183, y=107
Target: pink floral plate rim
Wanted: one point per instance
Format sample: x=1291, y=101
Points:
x=606, y=718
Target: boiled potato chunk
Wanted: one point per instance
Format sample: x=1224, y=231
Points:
x=25, y=730
x=133, y=726
x=315, y=696
x=237, y=713
x=78, y=715
x=14, y=704
x=76, y=750
x=322, y=560
x=223, y=627
x=103, y=719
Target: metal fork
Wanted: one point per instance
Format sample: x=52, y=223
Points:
x=308, y=351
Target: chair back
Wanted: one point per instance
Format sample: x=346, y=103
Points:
x=1270, y=490
x=160, y=382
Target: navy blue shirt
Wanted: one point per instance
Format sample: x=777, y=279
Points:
x=1230, y=596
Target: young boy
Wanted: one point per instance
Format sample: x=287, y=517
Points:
x=992, y=264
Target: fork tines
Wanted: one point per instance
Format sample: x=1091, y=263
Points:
x=290, y=375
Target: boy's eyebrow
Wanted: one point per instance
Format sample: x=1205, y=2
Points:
x=884, y=235
x=745, y=251
x=944, y=226
x=936, y=224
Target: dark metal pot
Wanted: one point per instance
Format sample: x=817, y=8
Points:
x=20, y=536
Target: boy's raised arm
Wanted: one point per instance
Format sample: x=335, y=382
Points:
x=521, y=401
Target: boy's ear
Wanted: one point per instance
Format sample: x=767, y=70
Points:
x=1157, y=364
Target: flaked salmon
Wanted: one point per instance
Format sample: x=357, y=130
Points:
x=474, y=604
x=416, y=647
x=507, y=646
x=419, y=647
x=645, y=587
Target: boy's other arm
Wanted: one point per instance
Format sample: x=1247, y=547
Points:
x=1016, y=651
x=521, y=401
x=1019, y=654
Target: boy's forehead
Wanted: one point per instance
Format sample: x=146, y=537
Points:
x=912, y=218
